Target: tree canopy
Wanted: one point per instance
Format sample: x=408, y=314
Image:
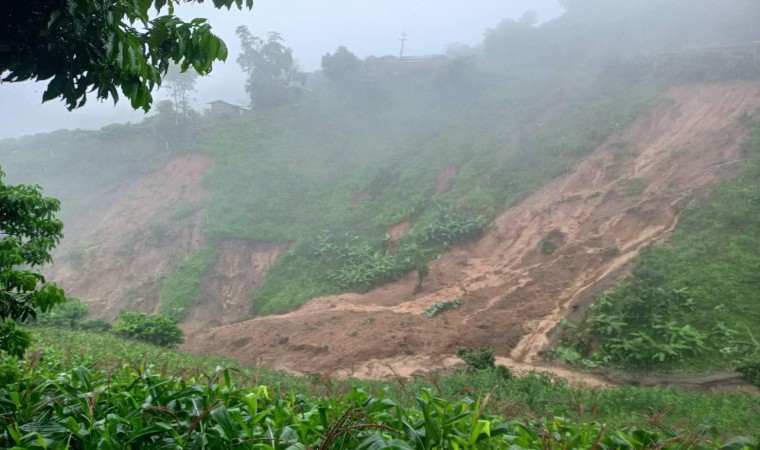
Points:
x=84, y=46
x=273, y=75
x=28, y=232
x=181, y=86
x=341, y=65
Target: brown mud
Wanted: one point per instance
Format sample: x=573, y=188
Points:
x=540, y=261
x=514, y=288
x=116, y=254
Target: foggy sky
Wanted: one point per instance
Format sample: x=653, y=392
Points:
x=310, y=27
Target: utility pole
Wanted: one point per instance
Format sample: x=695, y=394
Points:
x=404, y=38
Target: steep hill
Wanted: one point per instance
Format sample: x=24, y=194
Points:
x=536, y=262
x=509, y=183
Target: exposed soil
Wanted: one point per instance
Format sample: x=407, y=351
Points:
x=358, y=198
x=624, y=195
x=239, y=270
x=444, y=179
x=396, y=233
x=120, y=250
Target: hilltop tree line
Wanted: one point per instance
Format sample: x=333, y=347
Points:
x=274, y=77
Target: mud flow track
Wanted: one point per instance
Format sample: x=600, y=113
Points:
x=621, y=197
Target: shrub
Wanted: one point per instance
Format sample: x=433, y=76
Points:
x=750, y=373
x=158, y=330
x=68, y=314
x=96, y=325
x=548, y=246
x=477, y=358
x=440, y=307
x=451, y=226
x=504, y=372
x=10, y=369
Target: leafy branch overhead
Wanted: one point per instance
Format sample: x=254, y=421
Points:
x=85, y=46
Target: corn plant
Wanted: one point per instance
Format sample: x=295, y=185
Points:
x=130, y=408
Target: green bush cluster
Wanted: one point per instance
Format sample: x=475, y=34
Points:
x=97, y=325
x=439, y=307
x=10, y=369
x=451, y=226
x=477, y=358
x=751, y=373
x=355, y=263
x=69, y=314
x=643, y=333
x=14, y=340
x=158, y=330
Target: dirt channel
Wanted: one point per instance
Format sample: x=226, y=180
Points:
x=537, y=262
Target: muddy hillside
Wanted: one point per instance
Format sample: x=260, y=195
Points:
x=536, y=263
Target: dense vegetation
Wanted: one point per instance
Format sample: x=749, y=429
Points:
x=141, y=409
x=154, y=329
x=692, y=303
x=78, y=379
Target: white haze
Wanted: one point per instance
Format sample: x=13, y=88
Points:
x=310, y=27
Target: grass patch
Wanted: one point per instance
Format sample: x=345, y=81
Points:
x=440, y=307
x=182, y=288
x=633, y=186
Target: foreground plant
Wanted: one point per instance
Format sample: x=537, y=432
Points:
x=137, y=408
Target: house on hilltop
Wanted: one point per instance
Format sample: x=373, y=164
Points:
x=220, y=108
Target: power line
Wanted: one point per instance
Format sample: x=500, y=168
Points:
x=404, y=38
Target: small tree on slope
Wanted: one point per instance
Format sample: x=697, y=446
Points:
x=29, y=230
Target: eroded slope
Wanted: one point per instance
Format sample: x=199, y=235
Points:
x=536, y=262
x=116, y=254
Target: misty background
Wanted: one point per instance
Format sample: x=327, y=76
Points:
x=312, y=28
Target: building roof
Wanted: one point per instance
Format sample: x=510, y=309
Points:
x=223, y=103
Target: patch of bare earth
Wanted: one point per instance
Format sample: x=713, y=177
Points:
x=515, y=290
x=444, y=179
x=396, y=233
x=229, y=286
x=116, y=254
